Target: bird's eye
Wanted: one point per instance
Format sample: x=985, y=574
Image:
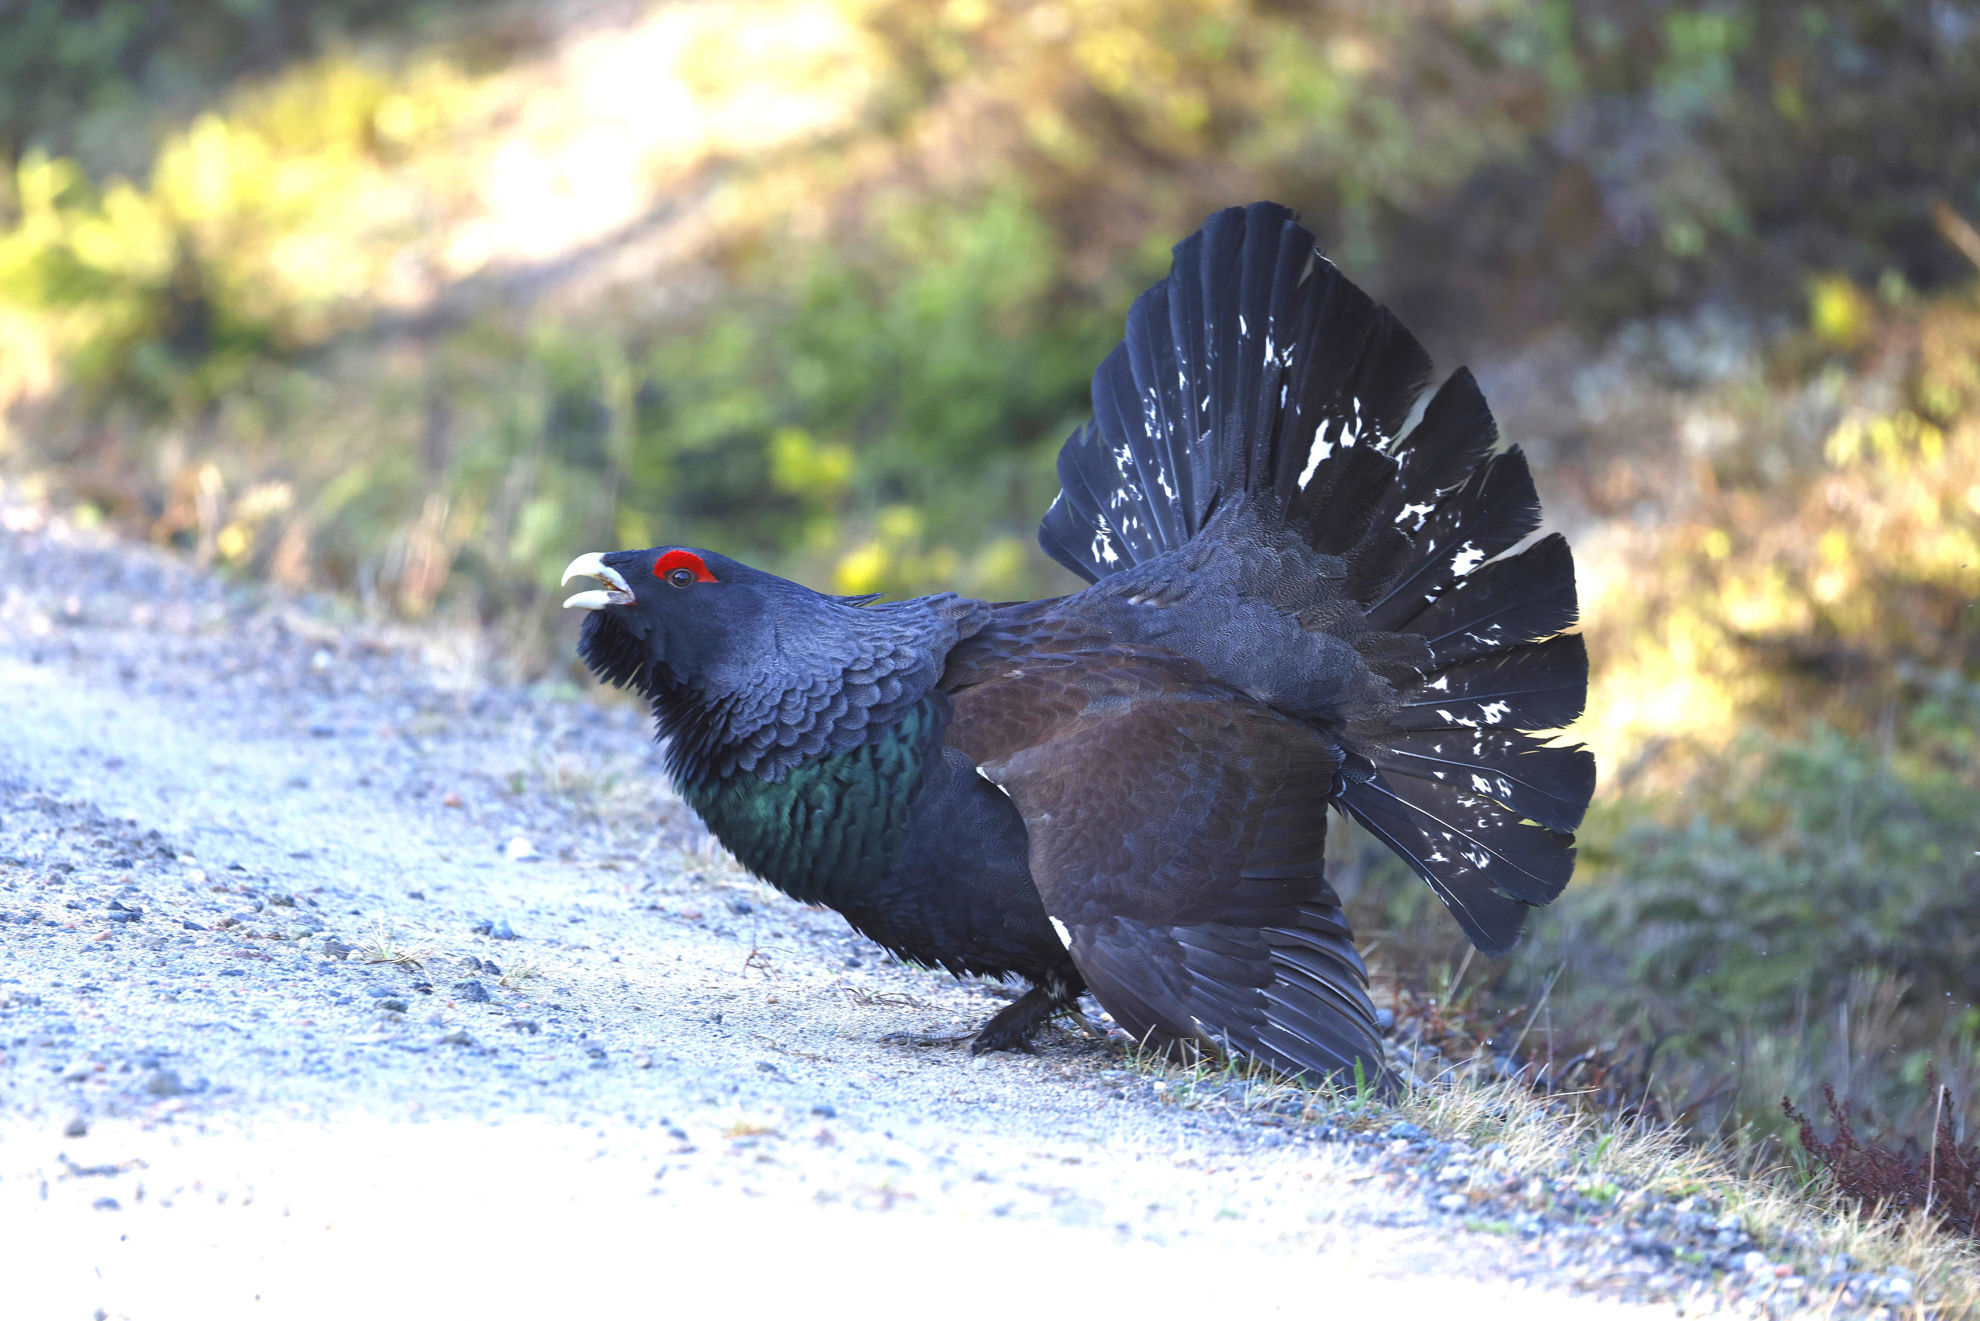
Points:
x=681, y=577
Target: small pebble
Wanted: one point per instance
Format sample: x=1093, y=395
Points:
x=458, y=1037
x=518, y=849
x=392, y=1003
x=77, y=1127
x=163, y=1082
x=503, y=931
x=471, y=991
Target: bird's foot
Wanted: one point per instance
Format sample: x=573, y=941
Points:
x=1012, y=1026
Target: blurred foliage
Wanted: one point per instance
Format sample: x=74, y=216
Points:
x=1828, y=589
x=419, y=301
x=837, y=422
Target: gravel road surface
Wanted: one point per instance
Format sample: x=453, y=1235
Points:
x=606, y=1069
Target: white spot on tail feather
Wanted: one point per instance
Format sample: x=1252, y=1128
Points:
x=1468, y=558
x=1494, y=712
x=1418, y=513
x=1103, y=545
x=1318, y=453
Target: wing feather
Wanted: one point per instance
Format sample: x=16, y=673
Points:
x=1177, y=829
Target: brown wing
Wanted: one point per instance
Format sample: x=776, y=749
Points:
x=1177, y=831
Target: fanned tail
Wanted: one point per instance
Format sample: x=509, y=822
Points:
x=1256, y=369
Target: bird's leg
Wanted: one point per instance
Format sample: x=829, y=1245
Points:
x=1012, y=1026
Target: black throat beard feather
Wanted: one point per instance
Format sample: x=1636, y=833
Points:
x=691, y=727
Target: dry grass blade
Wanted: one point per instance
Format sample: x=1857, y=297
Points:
x=385, y=945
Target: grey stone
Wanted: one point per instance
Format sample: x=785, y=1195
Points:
x=163, y=1082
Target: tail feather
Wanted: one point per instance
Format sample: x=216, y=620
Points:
x=1493, y=510
x=1545, y=783
x=1541, y=686
x=1454, y=436
x=1253, y=337
x=1486, y=866
x=1257, y=370
x=1507, y=603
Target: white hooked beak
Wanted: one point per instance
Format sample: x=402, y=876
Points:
x=593, y=565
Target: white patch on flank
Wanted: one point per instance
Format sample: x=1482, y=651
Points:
x=1065, y=936
x=1466, y=559
x=1318, y=453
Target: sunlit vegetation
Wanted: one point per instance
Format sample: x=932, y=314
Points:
x=414, y=303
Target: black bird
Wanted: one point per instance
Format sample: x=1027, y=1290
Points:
x=1298, y=601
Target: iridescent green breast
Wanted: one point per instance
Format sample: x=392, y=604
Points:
x=829, y=823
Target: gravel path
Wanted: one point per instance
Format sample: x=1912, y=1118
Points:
x=610, y=1069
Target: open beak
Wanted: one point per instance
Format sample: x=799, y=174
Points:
x=615, y=591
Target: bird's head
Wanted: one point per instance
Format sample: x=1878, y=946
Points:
x=674, y=613
x=688, y=618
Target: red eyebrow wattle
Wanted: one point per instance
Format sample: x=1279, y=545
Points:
x=682, y=559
